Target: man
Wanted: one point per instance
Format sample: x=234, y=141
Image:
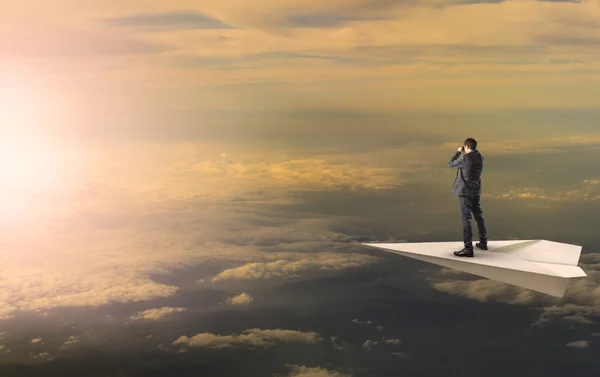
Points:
x=467, y=185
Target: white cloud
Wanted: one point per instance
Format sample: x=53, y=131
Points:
x=250, y=337
x=360, y=322
x=36, y=340
x=155, y=314
x=241, y=299
x=579, y=344
x=294, y=265
x=392, y=341
x=304, y=371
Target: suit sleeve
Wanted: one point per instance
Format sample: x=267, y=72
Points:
x=457, y=161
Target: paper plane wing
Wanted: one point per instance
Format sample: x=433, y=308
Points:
x=540, y=265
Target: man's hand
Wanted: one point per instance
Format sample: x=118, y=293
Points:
x=460, y=149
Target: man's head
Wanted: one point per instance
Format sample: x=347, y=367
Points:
x=470, y=145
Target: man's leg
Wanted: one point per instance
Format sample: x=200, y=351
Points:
x=465, y=206
x=478, y=214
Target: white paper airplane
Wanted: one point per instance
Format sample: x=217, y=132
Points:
x=540, y=265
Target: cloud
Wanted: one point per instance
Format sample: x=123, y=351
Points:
x=360, y=322
x=586, y=191
x=487, y=290
x=320, y=20
x=305, y=371
x=250, y=337
x=369, y=343
x=305, y=174
x=541, y=145
x=579, y=344
x=241, y=299
x=580, y=303
x=42, y=355
x=416, y=46
x=36, y=340
x=578, y=319
x=130, y=216
x=70, y=42
x=590, y=258
x=402, y=355
x=337, y=343
x=168, y=21
x=155, y=314
x=295, y=265
x=71, y=340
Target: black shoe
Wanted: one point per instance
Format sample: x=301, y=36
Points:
x=464, y=253
x=482, y=247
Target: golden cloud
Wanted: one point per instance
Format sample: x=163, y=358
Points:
x=250, y=337
x=526, y=47
x=295, y=265
x=155, y=314
x=306, y=371
x=579, y=344
x=580, y=302
x=241, y=299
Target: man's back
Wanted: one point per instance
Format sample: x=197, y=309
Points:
x=468, y=174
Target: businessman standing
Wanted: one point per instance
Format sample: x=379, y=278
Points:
x=467, y=185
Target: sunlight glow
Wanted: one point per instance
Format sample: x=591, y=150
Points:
x=31, y=166
x=34, y=180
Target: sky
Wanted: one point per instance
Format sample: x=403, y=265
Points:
x=186, y=185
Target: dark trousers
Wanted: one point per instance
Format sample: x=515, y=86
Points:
x=470, y=204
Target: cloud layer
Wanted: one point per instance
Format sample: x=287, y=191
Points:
x=305, y=371
x=241, y=299
x=295, y=265
x=250, y=337
x=580, y=304
x=155, y=314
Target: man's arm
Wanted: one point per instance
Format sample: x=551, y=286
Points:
x=457, y=161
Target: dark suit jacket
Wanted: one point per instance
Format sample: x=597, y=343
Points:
x=468, y=174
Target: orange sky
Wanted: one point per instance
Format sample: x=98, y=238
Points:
x=135, y=57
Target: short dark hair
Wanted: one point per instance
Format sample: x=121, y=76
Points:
x=471, y=143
